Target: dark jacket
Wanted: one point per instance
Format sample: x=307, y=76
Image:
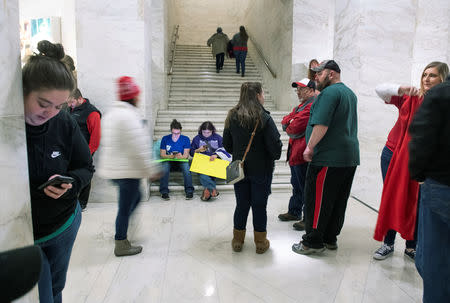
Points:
x=239, y=44
x=80, y=114
x=265, y=148
x=56, y=147
x=214, y=141
x=429, y=148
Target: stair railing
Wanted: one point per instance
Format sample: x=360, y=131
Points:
x=261, y=55
x=173, y=46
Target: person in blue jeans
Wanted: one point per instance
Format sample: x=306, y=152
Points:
x=240, y=49
x=55, y=146
x=174, y=151
x=429, y=164
x=207, y=142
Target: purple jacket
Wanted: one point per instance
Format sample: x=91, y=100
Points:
x=214, y=141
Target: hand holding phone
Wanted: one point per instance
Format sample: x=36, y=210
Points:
x=56, y=181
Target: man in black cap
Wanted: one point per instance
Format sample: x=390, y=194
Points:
x=332, y=151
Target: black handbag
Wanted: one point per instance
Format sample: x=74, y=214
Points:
x=235, y=170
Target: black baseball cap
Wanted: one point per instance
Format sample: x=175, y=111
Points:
x=327, y=64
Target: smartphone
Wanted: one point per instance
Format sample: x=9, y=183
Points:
x=174, y=152
x=58, y=180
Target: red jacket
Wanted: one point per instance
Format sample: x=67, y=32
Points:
x=294, y=125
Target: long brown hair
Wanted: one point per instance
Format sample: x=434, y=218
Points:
x=248, y=110
x=243, y=33
x=442, y=70
x=311, y=73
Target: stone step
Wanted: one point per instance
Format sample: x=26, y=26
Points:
x=189, y=106
x=194, y=113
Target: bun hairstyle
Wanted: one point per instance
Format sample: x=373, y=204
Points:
x=46, y=70
x=175, y=125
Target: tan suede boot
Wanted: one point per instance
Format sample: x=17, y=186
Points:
x=262, y=244
x=238, y=239
x=124, y=248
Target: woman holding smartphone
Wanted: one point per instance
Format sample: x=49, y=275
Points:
x=55, y=147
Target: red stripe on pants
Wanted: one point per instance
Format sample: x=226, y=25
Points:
x=320, y=181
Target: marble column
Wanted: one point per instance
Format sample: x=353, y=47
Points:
x=114, y=38
x=270, y=26
x=15, y=216
x=372, y=44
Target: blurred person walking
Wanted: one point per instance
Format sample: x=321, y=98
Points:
x=240, y=49
x=249, y=118
x=88, y=119
x=219, y=42
x=333, y=153
x=125, y=158
x=399, y=201
x=55, y=147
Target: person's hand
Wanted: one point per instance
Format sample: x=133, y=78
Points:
x=56, y=192
x=201, y=149
x=178, y=156
x=408, y=90
x=308, y=154
x=156, y=176
x=213, y=157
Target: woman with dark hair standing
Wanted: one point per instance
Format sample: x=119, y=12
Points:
x=312, y=74
x=253, y=191
x=55, y=147
x=207, y=142
x=240, y=49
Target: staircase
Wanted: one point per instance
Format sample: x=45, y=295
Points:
x=198, y=94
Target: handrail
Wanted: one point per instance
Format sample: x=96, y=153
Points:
x=173, y=45
x=262, y=57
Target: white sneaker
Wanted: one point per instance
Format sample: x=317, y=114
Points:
x=383, y=252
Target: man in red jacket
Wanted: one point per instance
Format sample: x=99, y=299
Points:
x=294, y=125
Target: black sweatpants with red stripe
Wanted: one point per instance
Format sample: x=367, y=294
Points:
x=326, y=193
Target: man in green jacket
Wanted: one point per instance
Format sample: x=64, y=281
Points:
x=219, y=43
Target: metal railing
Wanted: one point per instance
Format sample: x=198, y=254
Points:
x=261, y=55
x=173, y=46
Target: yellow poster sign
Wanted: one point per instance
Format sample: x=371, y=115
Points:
x=201, y=164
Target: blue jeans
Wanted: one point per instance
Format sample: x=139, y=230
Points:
x=129, y=197
x=252, y=191
x=207, y=181
x=389, y=239
x=433, y=243
x=240, y=60
x=298, y=176
x=164, y=182
x=55, y=262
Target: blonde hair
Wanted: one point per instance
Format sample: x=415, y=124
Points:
x=442, y=71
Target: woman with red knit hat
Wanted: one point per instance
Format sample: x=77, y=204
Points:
x=125, y=157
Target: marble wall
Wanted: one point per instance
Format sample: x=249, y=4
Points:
x=113, y=39
x=15, y=216
x=270, y=26
x=199, y=19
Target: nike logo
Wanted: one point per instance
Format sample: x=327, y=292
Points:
x=55, y=154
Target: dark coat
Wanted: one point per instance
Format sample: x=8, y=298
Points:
x=265, y=148
x=429, y=148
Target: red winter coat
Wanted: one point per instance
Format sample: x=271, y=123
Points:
x=398, y=207
x=296, y=131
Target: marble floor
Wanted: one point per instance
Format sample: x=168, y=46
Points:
x=187, y=257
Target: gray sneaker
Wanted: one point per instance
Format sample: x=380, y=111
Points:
x=305, y=250
x=383, y=252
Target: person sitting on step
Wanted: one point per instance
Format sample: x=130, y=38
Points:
x=174, y=152
x=207, y=142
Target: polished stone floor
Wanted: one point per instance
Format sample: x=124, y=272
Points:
x=187, y=257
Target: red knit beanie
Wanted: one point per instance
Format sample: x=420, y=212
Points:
x=128, y=89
